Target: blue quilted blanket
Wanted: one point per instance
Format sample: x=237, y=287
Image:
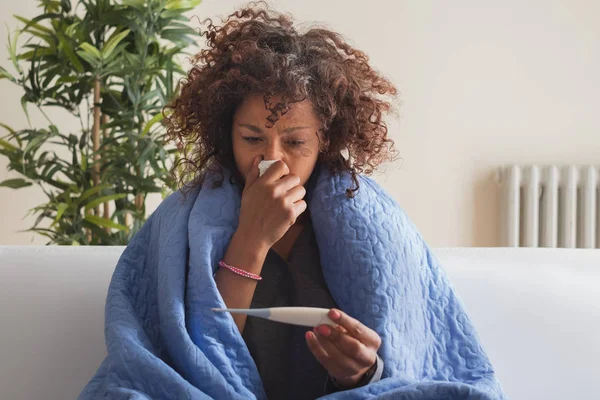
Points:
x=164, y=342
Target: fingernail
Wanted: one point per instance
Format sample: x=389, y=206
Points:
x=334, y=314
x=308, y=335
x=324, y=330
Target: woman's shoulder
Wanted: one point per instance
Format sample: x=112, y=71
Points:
x=181, y=199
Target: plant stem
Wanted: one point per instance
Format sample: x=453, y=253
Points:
x=44, y=114
x=104, y=136
x=96, y=135
x=139, y=202
x=96, y=144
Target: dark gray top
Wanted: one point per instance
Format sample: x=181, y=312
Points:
x=285, y=364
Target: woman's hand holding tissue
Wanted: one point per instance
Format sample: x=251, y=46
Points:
x=270, y=203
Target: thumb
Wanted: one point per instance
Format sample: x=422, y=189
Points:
x=252, y=175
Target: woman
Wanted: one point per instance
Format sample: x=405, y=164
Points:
x=310, y=232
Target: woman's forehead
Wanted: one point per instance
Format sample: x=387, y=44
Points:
x=254, y=110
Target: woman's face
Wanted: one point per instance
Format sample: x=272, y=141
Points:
x=293, y=138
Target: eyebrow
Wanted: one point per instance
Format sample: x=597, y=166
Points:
x=257, y=129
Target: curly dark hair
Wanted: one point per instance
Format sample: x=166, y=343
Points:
x=257, y=50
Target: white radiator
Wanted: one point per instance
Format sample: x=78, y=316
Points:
x=551, y=206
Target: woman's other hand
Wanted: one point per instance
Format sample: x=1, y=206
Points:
x=347, y=351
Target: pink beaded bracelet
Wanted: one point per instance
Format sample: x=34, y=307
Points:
x=241, y=272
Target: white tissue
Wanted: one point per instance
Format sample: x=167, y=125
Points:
x=264, y=165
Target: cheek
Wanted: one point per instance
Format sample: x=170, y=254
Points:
x=303, y=167
x=243, y=160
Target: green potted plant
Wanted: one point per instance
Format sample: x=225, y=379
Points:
x=112, y=66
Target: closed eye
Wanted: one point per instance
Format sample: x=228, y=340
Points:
x=255, y=139
x=251, y=139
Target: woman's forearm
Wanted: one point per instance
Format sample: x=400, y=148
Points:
x=237, y=291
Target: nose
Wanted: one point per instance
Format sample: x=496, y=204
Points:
x=272, y=151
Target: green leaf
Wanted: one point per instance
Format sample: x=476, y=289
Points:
x=68, y=49
x=51, y=6
x=24, y=106
x=135, y=60
x=5, y=75
x=84, y=161
x=60, y=210
x=15, y=183
x=172, y=14
x=175, y=8
x=40, y=231
x=12, y=50
x=105, y=223
x=88, y=48
x=112, y=43
x=68, y=79
x=177, y=36
x=169, y=79
x=90, y=192
x=38, y=52
x=51, y=40
x=66, y=5
x=133, y=92
x=157, y=118
x=6, y=145
x=8, y=128
x=70, y=30
x=181, y=26
x=33, y=24
x=137, y=4
x=110, y=60
x=181, y=4
x=35, y=143
x=104, y=199
x=90, y=59
x=48, y=35
x=48, y=175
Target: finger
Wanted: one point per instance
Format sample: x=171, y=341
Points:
x=318, y=351
x=295, y=194
x=348, y=345
x=252, y=174
x=355, y=328
x=336, y=363
x=315, y=348
x=299, y=207
x=344, y=365
x=276, y=171
x=287, y=183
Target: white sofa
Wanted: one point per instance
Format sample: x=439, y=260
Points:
x=537, y=313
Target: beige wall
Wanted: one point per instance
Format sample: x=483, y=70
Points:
x=483, y=83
